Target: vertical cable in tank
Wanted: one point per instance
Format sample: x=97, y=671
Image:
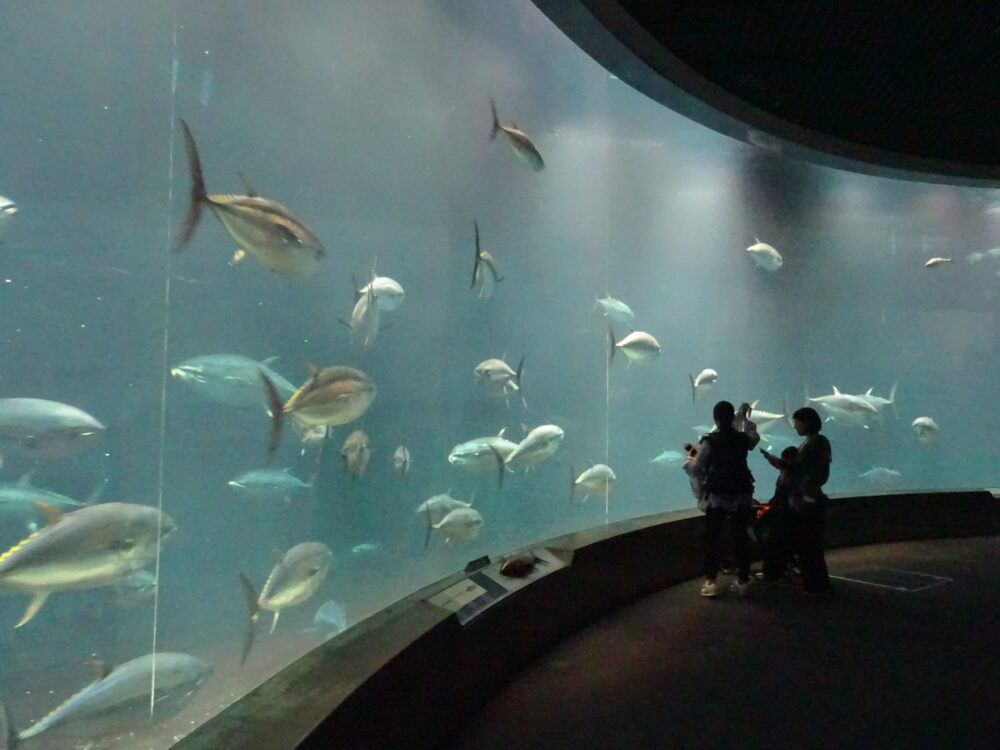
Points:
x=164, y=369
x=607, y=387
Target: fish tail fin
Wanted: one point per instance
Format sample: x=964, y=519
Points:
x=611, y=339
x=806, y=388
x=694, y=390
x=892, y=400
x=501, y=467
x=517, y=379
x=198, y=193
x=572, y=483
x=496, y=120
x=475, y=265
x=277, y=415
x=252, y=611
x=8, y=734
x=430, y=527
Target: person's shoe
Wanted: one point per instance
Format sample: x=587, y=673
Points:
x=740, y=588
x=709, y=589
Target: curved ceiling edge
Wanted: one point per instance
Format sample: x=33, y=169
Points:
x=606, y=32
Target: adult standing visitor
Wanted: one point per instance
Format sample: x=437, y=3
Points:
x=721, y=466
x=810, y=470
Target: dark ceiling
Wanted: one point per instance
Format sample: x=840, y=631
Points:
x=916, y=79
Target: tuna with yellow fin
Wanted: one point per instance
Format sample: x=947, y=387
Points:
x=260, y=227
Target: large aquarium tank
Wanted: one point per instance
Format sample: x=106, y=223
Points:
x=304, y=306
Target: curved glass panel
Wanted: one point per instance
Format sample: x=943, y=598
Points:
x=363, y=127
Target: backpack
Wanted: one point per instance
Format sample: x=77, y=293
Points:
x=728, y=473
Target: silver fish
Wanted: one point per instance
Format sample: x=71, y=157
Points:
x=926, y=430
x=498, y=376
x=35, y=428
x=135, y=588
x=439, y=506
x=356, y=451
x=936, y=262
x=538, y=445
x=765, y=256
x=126, y=690
x=7, y=211
x=596, y=480
x=332, y=396
x=330, y=619
x=231, y=378
x=401, y=460
x=388, y=293
x=638, y=346
x=461, y=525
x=365, y=319
x=263, y=228
x=479, y=454
x=615, y=309
x=704, y=380
x=88, y=548
x=667, y=458
x=484, y=270
x=295, y=578
x=521, y=144
x=269, y=484
x=881, y=477
x=845, y=407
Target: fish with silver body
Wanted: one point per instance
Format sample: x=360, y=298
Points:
x=263, y=228
x=596, y=480
x=638, y=346
x=332, y=396
x=936, y=262
x=460, y=525
x=21, y=499
x=703, y=381
x=294, y=578
x=881, y=478
x=231, y=379
x=479, y=454
x=269, y=484
x=520, y=143
x=666, y=458
x=7, y=210
x=925, y=429
x=356, y=451
x=34, y=428
x=539, y=444
x=485, y=273
x=435, y=508
x=845, y=408
x=124, y=693
x=387, y=292
x=499, y=378
x=615, y=310
x=765, y=256
x=89, y=548
x=365, y=319
x=330, y=619
x=401, y=460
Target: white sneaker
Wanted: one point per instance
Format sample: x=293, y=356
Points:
x=740, y=588
x=709, y=589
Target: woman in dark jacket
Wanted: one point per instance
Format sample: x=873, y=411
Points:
x=810, y=469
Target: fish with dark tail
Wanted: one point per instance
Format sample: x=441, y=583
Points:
x=520, y=144
x=261, y=227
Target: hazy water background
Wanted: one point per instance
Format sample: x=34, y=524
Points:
x=369, y=119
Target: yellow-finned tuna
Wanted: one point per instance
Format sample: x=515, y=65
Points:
x=86, y=549
x=521, y=144
x=294, y=578
x=263, y=228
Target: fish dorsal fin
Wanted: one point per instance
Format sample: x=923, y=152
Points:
x=247, y=187
x=96, y=493
x=24, y=480
x=502, y=431
x=99, y=668
x=51, y=513
x=869, y=391
x=270, y=360
x=312, y=369
x=835, y=390
x=754, y=404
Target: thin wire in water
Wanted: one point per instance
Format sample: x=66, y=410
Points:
x=165, y=352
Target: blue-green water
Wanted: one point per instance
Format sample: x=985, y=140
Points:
x=370, y=121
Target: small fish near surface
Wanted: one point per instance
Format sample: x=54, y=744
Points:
x=925, y=429
x=596, y=480
x=484, y=270
x=332, y=396
x=7, y=210
x=498, y=376
x=704, y=381
x=765, y=256
x=638, y=346
x=615, y=310
x=269, y=484
x=936, y=262
x=231, y=379
x=356, y=451
x=520, y=144
x=401, y=461
x=89, y=548
x=296, y=577
x=36, y=429
x=122, y=695
x=263, y=228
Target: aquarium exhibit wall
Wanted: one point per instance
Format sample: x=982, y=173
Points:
x=512, y=255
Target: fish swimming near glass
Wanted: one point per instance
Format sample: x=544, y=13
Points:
x=520, y=144
x=478, y=455
x=124, y=692
x=356, y=451
x=615, y=310
x=89, y=548
x=401, y=461
x=484, y=270
x=332, y=396
x=765, y=256
x=538, y=445
x=388, y=292
x=7, y=210
x=460, y=525
x=22, y=498
x=295, y=577
x=925, y=429
x=261, y=227
x=37, y=429
x=704, y=381
x=638, y=346
x=330, y=619
x=269, y=484
x=500, y=378
x=365, y=319
x=231, y=379
x=596, y=480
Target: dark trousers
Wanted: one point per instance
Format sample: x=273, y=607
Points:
x=779, y=543
x=715, y=524
x=808, y=529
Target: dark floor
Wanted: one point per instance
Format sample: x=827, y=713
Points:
x=872, y=667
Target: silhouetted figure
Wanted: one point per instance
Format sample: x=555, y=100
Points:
x=775, y=527
x=809, y=470
x=721, y=465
